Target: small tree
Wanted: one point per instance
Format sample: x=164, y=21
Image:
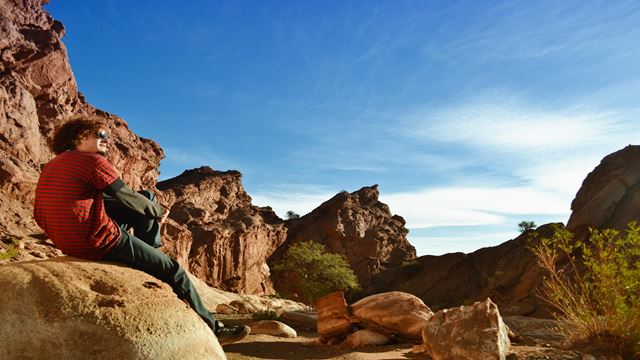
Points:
x=292, y=215
x=526, y=226
x=311, y=272
x=595, y=286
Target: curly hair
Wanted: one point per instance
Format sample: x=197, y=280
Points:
x=67, y=135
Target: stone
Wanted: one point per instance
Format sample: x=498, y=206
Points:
x=365, y=337
x=360, y=227
x=226, y=309
x=228, y=239
x=273, y=328
x=395, y=314
x=50, y=307
x=467, y=332
x=301, y=319
x=244, y=307
x=333, y=316
x=609, y=196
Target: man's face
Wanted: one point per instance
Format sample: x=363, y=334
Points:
x=94, y=143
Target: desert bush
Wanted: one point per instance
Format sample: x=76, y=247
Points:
x=292, y=215
x=310, y=272
x=595, y=287
x=525, y=226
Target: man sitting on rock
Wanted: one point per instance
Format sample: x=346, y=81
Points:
x=86, y=209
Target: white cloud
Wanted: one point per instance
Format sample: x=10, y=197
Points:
x=438, y=245
x=461, y=206
x=498, y=120
x=298, y=202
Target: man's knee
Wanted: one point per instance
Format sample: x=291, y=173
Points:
x=148, y=194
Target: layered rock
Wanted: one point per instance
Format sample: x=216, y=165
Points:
x=467, y=332
x=37, y=92
x=374, y=320
x=610, y=195
x=230, y=239
x=508, y=273
x=358, y=226
x=67, y=308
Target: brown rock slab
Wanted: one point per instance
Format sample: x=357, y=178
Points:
x=333, y=316
x=467, y=332
x=395, y=314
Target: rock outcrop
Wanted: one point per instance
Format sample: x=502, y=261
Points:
x=467, y=332
x=508, y=273
x=609, y=197
x=393, y=315
x=229, y=239
x=37, y=92
x=67, y=308
x=358, y=226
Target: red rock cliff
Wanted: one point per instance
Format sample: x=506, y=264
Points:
x=37, y=92
x=228, y=239
x=358, y=226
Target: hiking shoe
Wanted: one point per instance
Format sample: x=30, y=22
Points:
x=231, y=334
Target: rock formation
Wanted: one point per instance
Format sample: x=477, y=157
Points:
x=374, y=320
x=229, y=239
x=508, y=273
x=37, y=92
x=67, y=308
x=467, y=332
x=358, y=226
x=609, y=197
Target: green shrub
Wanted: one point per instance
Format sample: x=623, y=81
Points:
x=526, y=226
x=9, y=252
x=265, y=315
x=595, y=287
x=308, y=272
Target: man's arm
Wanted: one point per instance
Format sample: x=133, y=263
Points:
x=134, y=201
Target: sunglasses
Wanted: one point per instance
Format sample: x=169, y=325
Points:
x=102, y=135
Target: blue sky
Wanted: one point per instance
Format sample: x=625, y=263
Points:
x=470, y=115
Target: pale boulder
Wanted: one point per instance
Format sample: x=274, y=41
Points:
x=467, y=332
x=273, y=328
x=395, y=313
x=300, y=319
x=67, y=308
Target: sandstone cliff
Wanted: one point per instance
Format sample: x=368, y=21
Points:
x=610, y=195
x=228, y=239
x=508, y=273
x=37, y=92
x=358, y=226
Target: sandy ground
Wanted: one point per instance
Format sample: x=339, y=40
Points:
x=304, y=347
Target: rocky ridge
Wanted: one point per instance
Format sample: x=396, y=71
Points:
x=37, y=92
x=358, y=226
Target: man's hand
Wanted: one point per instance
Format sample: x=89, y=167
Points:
x=164, y=216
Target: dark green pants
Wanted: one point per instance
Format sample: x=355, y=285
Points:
x=140, y=254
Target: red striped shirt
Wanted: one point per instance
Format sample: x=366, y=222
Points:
x=69, y=205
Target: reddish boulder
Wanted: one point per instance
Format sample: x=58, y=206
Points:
x=230, y=239
x=610, y=194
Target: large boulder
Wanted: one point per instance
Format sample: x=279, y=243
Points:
x=67, y=308
x=467, y=332
x=358, y=226
x=218, y=234
x=396, y=314
x=610, y=195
